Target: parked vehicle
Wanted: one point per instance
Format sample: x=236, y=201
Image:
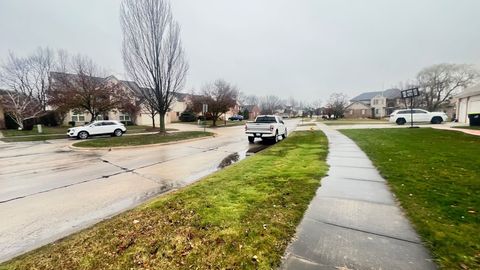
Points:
x=400, y=117
x=266, y=127
x=107, y=127
x=236, y=117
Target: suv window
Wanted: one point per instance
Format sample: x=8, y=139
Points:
x=265, y=119
x=108, y=123
x=418, y=111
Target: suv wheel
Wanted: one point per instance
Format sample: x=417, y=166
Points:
x=251, y=139
x=117, y=133
x=284, y=134
x=436, y=120
x=401, y=121
x=82, y=135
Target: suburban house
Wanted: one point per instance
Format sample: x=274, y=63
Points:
x=253, y=111
x=468, y=102
x=132, y=90
x=377, y=104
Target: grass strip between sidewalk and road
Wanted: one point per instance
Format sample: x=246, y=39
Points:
x=242, y=217
x=146, y=139
x=354, y=122
x=435, y=174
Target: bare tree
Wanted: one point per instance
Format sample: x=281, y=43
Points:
x=153, y=54
x=220, y=96
x=21, y=101
x=29, y=76
x=269, y=104
x=19, y=106
x=252, y=100
x=440, y=82
x=337, y=104
x=148, y=105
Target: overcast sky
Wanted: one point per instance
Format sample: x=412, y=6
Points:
x=303, y=48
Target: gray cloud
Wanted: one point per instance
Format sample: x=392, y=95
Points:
x=306, y=49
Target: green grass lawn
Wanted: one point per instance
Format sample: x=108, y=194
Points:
x=468, y=127
x=435, y=174
x=344, y=121
x=34, y=131
x=249, y=209
x=143, y=129
x=141, y=139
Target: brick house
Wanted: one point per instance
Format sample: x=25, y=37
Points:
x=377, y=104
x=253, y=111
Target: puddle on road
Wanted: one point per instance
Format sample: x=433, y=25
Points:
x=232, y=158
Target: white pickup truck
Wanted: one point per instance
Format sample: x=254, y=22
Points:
x=266, y=127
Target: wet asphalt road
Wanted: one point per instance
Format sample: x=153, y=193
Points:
x=48, y=191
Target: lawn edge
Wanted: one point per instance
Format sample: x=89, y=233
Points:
x=77, y=148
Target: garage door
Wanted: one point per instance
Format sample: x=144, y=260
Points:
x=474, y=107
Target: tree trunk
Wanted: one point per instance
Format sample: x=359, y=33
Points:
x=162, y=122
x=153, y=120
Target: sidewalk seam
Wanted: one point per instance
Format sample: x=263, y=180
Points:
x=363, y=231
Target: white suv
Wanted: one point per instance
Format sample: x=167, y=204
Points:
x=107, y=127
x=401, y=117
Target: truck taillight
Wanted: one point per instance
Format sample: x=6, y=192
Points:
x=271, y=127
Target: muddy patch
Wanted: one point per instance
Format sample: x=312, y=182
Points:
x=232, y=158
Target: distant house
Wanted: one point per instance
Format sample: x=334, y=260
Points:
x=253, y=111
x=133, y=91
x=468, y=102
x=374, y=104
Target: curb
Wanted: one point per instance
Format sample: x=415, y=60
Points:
x=75, y=148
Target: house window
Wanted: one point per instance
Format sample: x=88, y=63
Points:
x=351, y=111
x=124, y=117
x=377, y=111
x=99, y=118
x=363, y=111
x=375, y=101
x=78, y=117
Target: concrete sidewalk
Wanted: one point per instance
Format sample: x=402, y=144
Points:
x=353, y=222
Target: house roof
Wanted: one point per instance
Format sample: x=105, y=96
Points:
x=358, y=102
x=249, y=107
x=468, y=92
x=367, y=96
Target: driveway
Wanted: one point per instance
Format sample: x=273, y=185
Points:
x=48, y=191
